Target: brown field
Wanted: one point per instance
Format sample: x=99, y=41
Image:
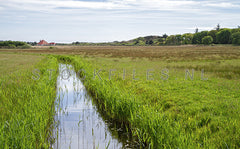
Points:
x=189, y=52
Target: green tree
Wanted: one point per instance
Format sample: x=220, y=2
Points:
x=213, y=34
x=171, y=40
x=218, y=27
x=187, y=38
x=197, y=37
x=140, y=43
x=178, y=39
x=207, y=40
x=14, y=44
x=196, y=30
x=165, y=36
x=149, y=42
x=224, y=36
x=235, y=30
x=236, y=38
x=161, y=41
x=174, y=39
x=136, y=42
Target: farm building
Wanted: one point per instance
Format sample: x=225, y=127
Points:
x=45, y=43
x=52, y=44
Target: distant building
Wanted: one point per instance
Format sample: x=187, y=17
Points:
x=52, y=44
x=45, y=43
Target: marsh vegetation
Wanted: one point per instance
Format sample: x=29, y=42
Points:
x=172, y=113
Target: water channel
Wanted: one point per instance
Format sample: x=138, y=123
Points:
x=79, y=125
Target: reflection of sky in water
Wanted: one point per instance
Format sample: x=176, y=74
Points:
x=80, y=125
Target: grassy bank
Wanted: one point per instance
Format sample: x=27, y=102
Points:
x=169, y=111
x=26, y=101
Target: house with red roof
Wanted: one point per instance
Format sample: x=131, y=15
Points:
x=52, y=44
x=45, y=43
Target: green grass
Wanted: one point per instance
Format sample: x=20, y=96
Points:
x=11, y=63
x=173, y=113
x=26, y=105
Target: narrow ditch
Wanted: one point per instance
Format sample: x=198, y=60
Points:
x=79, y=123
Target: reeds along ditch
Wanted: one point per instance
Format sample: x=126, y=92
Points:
x=181, y=115
x=27, y=106
x=125, y=108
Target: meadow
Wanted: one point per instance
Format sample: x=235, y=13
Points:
x=169, y=96
x=27, y=104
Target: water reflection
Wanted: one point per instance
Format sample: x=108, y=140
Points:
x=79, y=125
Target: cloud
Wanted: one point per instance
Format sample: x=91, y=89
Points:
x=157, y=4
x=200, y=28
x=70, y=20
x=173, y=5
x=52, y=4
x=223, y=5
x=117, y=4
x=121, y=6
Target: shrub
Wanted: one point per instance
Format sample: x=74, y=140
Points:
x=236, y=38
x=197, y=38
x=187, y=38
x=149, y=42
x=235, y=30
x=174, y=40
x=224, y=36
x=26, y=46
x=14, y=44
x=213, y=34
x=207, y=40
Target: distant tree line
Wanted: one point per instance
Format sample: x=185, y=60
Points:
x=14, y=44
x=215, y=36
x=32, y=43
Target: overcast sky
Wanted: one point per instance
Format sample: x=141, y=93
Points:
x=110, y=20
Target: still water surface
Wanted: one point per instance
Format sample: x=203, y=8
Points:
x=79, y=125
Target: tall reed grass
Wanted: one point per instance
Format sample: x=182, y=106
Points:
x=27, y=106
x=167, y=114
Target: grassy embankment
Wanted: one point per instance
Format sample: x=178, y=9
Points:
x=172, y=113
x=26, y=104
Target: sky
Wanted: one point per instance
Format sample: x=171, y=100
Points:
x=111, y=20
